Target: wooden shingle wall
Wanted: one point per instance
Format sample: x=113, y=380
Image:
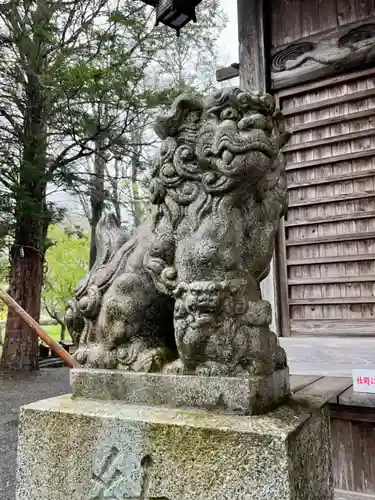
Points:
x=327, y=266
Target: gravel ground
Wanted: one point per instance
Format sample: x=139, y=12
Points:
x=15, y=391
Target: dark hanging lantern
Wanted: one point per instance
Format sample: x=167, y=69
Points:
x=174, y=13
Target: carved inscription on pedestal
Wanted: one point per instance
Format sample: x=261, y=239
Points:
x=107, y=485
x=108, y=479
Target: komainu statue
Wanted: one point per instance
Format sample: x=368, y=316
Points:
x=182, y=295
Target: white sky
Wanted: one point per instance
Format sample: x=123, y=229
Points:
x=229, y=37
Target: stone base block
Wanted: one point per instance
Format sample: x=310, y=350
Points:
x=71, y=449
x=246, y=396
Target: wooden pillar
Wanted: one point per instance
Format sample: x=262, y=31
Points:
x=253, y=33
x=252, y=27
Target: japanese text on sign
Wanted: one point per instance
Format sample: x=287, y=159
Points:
x=364, y=380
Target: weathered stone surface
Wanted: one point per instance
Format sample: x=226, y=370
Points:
x=98, y=450
x=182, y=295
x=234, y=395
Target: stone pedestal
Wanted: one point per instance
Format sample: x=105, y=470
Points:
x=241, y=396
x=74, y=448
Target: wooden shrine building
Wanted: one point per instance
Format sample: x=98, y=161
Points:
x=317, y=57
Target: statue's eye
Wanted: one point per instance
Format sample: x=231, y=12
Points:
x=229, y=114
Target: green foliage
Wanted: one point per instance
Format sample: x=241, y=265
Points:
x=54, y=331
x=67, y=263
x=4, y=266
x=81, y=74
x=69, y=76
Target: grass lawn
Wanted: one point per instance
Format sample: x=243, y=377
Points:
x=54, y=332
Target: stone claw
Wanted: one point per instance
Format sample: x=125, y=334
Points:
x=150, y=360
x=80, y=356
x=176, y=367
x=99, y=356
x=212, y=369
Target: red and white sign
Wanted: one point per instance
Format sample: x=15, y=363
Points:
x=364, y=381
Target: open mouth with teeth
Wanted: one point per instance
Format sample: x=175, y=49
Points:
x=205, y=308
x=231, y=145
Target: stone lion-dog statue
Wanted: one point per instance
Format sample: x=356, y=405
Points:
x=182, y=295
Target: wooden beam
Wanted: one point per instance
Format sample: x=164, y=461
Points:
x=351, y=398
x=349, y=176
x=298, y=382
x=329, y=160
x=332, y=239
x=333, y=120
x=326, y=301
x=327, y=387
x=228, y=73
x=35, y=326
x=331, y=199
x=252, y=44
x=282, y=288
x=369, y=278
x=327, y=141
x=324, y=55
x=325, y=103
x=331, y=218
x=331, y=260
x=318, y=327
x=328, y=82
x=354, y=414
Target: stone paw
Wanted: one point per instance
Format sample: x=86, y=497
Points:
x=80, y=356
x=151, y=360
x=212, y=369
x=280, y=359
x=98, y=356
x=176, y=367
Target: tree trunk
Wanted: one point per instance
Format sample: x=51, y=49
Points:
x=97, y=198
x=27, y=271
x=21, y=342
x=136, y=200
x=115, y=196
x=62, y=331
x=32, y=220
